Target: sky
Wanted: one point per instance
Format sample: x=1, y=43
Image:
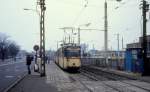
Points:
x=23, y=26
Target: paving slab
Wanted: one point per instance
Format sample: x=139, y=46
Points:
x=98, y=86
x=62, y=81
x=33, y=83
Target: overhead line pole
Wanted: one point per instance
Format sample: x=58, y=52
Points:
x=79, y=36
x=42, y=37
x=145, y=8
x=105, y=31
x=118, y=51
x=122, y=44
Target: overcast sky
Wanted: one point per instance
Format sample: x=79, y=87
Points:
x=23, y=26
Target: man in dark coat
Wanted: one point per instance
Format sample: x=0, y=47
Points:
x=29, y=59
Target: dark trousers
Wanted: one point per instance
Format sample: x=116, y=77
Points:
x=29, y=70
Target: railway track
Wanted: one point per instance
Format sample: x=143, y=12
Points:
x=105, y=76
x=90, y=77
x=80, y=78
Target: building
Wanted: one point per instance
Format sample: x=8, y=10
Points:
x=115, y=58
x=110, y=54
x=139, y=44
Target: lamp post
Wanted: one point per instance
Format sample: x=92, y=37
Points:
x=38, y=12
x=145, y=9
x=42, y=36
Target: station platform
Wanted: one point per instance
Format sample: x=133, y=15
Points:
x=131, y=75
x=55, y=80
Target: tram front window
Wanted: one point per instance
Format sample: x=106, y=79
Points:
x=72, y=53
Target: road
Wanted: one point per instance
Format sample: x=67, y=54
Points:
x=10, y=72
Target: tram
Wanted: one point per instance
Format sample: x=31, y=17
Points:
x=68, y=57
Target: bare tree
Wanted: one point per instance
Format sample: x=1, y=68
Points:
x=8, y=48
x=3, y=46
x=13, y=49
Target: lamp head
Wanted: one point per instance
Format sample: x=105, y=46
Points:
x=88, y=24
x=118, y=0
x=26, y=9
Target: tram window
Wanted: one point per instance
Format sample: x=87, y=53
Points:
x=72, y=53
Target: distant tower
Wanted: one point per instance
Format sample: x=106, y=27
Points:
x=93, y=47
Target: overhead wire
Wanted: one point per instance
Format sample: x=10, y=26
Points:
x=80, y=13
x=69, y=3
x=102, y=18
x=123, y=4
x=117, y=7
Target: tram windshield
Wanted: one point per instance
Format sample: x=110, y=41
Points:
x=75, y=53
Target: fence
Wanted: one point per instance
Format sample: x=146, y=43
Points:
x=101, y=62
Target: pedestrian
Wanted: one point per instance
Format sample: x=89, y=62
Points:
x=29, y=59
x=46, y=58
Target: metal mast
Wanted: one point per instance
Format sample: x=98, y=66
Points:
x=105, y=31
x=145, y=8
x=79, y=36
x=105, y=26
x=118, y=51
x=42, y=36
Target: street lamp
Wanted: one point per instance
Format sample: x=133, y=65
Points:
x=38, y=13
x=27, y=9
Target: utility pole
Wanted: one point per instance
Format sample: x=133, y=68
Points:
x=122, y=44
x=79, y=36
x=118, y=42
x=106, y=32
x=42, y=37
x=69, y=39
x=118, y=52
x=145, y=8
x=106, y=27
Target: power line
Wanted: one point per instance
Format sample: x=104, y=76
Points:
x=80, y=13
x=78, y=16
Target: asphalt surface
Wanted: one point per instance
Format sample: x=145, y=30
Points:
x=10, y=72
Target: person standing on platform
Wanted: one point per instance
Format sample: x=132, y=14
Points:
x=29, y=59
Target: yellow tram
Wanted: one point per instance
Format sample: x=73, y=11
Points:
x=68, y=57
